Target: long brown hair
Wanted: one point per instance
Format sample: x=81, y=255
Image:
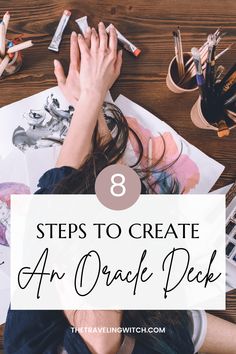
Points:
x=103, y=154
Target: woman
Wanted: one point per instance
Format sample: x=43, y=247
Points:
x=87, y=149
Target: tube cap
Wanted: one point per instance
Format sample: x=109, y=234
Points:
x=137, y=52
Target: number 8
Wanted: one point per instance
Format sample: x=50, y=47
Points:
x=116, y=184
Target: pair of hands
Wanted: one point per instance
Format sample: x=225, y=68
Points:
x=94, y=64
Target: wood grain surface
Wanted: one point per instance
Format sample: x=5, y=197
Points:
x=149, y=24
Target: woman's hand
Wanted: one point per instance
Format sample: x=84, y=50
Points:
x=70, y=85
x=99, y=56
x=100, y=63
x=99, y=68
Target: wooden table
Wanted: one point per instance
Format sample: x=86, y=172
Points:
x=149, y=24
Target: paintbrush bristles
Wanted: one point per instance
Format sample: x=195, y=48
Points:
x=195, y=53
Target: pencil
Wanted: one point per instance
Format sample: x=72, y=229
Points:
x=4, y=64
x=2, y=39
x=20, y=46
x=6, y=19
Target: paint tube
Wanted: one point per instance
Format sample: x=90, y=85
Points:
x=54, y=45
x=82, y=23
x=130, y=47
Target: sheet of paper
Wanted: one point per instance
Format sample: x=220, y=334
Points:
x=13, y=180
x=13, y=168
x=35, y=122
x=188, y=164
x=4, y=263
x=20, y=169
x=38, y=162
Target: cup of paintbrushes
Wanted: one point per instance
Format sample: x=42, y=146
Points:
x=11, y=62
x=217, y=119
x=178, y=84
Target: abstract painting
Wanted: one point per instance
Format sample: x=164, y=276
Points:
x=180, y=161
x=6, y=189
x=38, y=121
x=45, y=127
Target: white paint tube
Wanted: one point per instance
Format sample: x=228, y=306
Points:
x=54, y=45
x=82, y=23
x=130, y=47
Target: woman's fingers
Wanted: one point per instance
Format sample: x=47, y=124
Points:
x=84, y=49
x=59, y=73
x=94, y=40
x=74, y=52
x=87, y=37
x=112, y=39
x=102, y=36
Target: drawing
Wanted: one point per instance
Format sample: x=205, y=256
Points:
x=6, y=189
x=173, y=165
x=45, y=127
x=181, y=162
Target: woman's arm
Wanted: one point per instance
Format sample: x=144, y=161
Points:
x=77, y=144
x=94, y=66
x=220, y=337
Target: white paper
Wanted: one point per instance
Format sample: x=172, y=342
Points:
x=13, y=168
x=38, y=162
x=13, y=180
x=194, y=170
x=29, y=124
x=4, y=268
x=22, y=167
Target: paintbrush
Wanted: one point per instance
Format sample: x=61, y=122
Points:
x=210, y=65
x=218, y=74
x=199, y=72
x=228, y=80
x=230, y=100
x=181, y=58
x=178, y=54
